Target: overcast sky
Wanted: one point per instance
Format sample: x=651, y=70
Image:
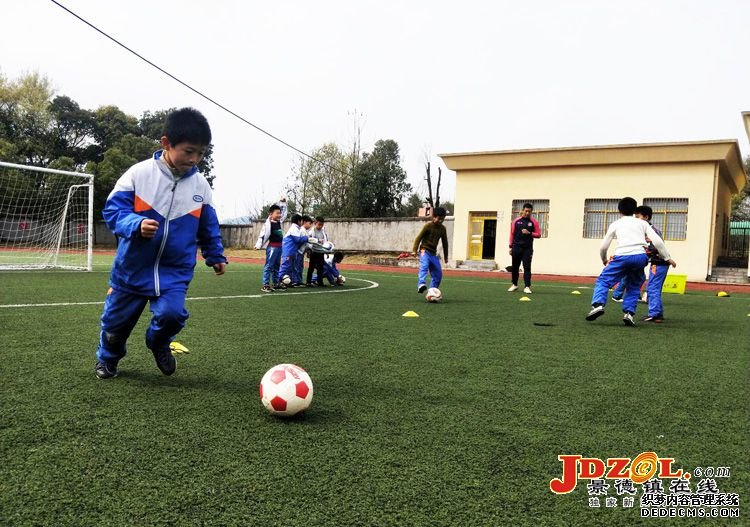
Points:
x=436, y=76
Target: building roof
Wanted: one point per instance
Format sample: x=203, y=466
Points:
x=726, y=152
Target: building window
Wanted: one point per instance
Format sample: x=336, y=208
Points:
x=598, y=215
x=540, y=212
x=670, y=217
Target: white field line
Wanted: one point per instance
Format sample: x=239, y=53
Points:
x=489, y=281
x=372, y=285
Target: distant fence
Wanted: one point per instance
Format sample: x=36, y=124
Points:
x=348, y=234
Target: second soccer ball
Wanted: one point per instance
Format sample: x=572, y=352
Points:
x=433, y=295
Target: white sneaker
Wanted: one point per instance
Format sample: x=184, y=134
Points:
x=512, y=288
x=627, y=319
x=618, y=300
x=595, y=313
x=527, y=290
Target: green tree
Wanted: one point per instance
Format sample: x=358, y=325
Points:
x=741, y=201
x=379, y=182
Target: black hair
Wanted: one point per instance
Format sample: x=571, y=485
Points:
x=296, y=218
x=439, y=212
x=273, y=208
x=528, y=206
x=645, y=210
x=338, y=256
x=627, y=206
x=187, y=125
x=321, y=219
x=306, y=218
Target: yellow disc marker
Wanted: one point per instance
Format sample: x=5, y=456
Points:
x=176, y=348
x=722, y=294
x=576, y=292
x=410, y=314
x=524, y=299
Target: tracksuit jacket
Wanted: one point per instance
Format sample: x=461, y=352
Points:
x=187, y=219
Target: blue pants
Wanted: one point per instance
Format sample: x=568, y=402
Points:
x=122, y=311
x=273, y=263
x=287, y=266
x=619, y=291
x=656, y=276
x=619, y=268
x=299, y=266
x=429, y=263
x=330, y=272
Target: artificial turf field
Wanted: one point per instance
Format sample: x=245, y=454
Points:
x=453, y=418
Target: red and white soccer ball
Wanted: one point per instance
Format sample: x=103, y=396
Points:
x=286, y=390
x=433, y=295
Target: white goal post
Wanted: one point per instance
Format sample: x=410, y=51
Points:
x=46, y=218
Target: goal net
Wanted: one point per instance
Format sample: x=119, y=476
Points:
x=45, y=218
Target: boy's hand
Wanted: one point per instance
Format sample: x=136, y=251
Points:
x=525, y=231
x=672, y=262
x=510, y=252
x=220, y=268
x=149, y=228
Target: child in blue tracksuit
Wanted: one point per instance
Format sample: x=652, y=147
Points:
x=271, y=236
x=657, y=273
x=294, y=239
x=160, y=210
x=425, y=247
x=628, y=261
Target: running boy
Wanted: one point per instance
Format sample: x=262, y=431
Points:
x=271, y=236
x=628, y=261
x=425, y=247
x=160, y=210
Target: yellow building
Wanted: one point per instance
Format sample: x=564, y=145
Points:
x=575, y=193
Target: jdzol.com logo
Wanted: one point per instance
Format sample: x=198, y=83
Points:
x=645, y=466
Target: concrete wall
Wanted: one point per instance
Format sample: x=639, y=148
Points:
x=565, y=251
x=348, y=234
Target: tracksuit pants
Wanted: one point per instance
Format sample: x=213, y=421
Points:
x=272, y=265
x=656, y=276
x=521, y=254
x=316, y=264
x=122, y=311
x=622, y=267
x=429, y=263
x=287, y=267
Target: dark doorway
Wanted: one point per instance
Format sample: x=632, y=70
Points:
x=488, y=239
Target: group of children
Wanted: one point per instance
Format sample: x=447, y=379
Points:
x=638, y=244
x=161, y=210
x=285, y=253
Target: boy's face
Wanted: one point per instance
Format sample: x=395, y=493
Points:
x=438, y=219
x=639, y=216
x=182, y=156
x=276, y=215
x=318, y=225
x=306, y=224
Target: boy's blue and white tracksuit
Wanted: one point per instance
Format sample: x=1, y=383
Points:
x=628, y=261
x=294, y=238
x=273, y=252
x=159, y=269
x=299, y=262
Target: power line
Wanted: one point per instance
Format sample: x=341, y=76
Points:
x=196, y=91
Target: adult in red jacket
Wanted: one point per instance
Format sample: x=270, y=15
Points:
x=523, y=230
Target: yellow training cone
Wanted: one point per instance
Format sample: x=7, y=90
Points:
x=177, y=348
x=410, y=314
x=722, y=294
x=524, y=299
x=576, y=292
